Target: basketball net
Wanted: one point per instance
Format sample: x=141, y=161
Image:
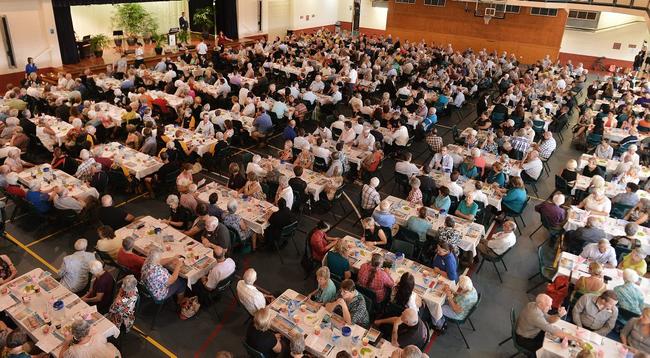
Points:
x=486, y=19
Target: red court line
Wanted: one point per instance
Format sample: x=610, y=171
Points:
x=433, y=339
x=215, y=332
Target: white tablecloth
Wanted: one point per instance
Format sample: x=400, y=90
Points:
x=469, y=185
x=471, y=231
x=59, y=127
x=323, y=340
x=254, y=212
x=58, y=178
x=428, y=285
x=553, y=349
x=27, y=308
x=198, y=142
x=138, y=164
x=610, y=166
x=197, y=259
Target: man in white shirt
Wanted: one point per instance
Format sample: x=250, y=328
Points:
x=348, y=135
x=352, y=77
x=405, y=166
x=205, y=127
x=455, y=189
x=336, y=95
x=365, y=141
x=250, y=296
x=400, y=136
x=202, y=48
x=320, y=151
x=317, y=85
x=443, y=161
x=300, y=141
x=460, y=98
x=339, y=123
x=223, y=89
x=532, y=167
x=243, y=94
x=601, y=252
x=255, y=167
x=309, y=96
x=500, y=242
x=323, y=131
x=476, y=189
x=75, y=269
x=220, y=271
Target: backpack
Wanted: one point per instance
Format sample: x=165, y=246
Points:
x=558, y=290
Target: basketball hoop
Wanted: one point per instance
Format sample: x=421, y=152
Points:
x=486, y=19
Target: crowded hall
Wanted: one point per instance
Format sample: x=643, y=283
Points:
x=330, y=179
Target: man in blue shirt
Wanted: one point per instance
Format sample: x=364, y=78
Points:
x=30, y=67
x=430, y=119
x=290, y=130
x=383, y=216
x=263, y=125
x=445, y=262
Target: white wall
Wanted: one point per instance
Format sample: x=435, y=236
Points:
x=247, y=17
x=279, y=16
x=320, y=12
x=601, y=42
x=97, y=19
x=371, y=17
x=33, y=33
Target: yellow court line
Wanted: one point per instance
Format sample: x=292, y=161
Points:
x=153, y=342
x=29, y=251
x=130, y=200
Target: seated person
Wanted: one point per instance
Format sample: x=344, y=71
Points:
x=108, y=242
x=326, y=290
x=351, y=305
x=636, y=333
x=630, y=296
x=113, y=216
x=101, y=291
x=594, y=283
x=467, y=209
x=404, y=330
x=130, y=260
x=597, y=313
x=635, y=260
x=459, y=302
x=372, y=275
x=261, y=337
x=601, y=252
x=445, y=262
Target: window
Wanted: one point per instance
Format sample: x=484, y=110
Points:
x=405, y=1
x=509, y=9
x=435, y=2
x=583, y=15
x=542, y=11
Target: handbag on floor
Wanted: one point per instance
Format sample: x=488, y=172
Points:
x=189, y=307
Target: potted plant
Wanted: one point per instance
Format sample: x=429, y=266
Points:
x=183, y=36
x=132, y=19
x=150, y=28
x=159, y=39
x=97, y=44
x=204, y=17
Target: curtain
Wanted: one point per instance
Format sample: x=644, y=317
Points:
x=65, y=33
x=226, y=17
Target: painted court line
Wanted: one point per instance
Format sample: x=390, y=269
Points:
x=152, y=341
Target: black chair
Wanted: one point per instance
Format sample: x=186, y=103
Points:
x=222, y=286
x=287, y=234
x=513, y=337
x=562, y=186
x=467, y=318
x=252, y=353
x=320, y=165
x=517, y=215
x=402, y=183
x=336, y=133
x=405, y=247
x=494, y=260
x=160, y=304
x=545, y=259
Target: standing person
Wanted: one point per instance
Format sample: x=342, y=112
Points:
x=139, y=55
x=182, y=22
x=30, y=67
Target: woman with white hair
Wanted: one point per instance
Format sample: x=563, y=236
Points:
x=597, y=203
x=235, y=222
x=180, y=217
x=459, y=302
x=261, y=337
x=101, y=289
x=415, y=194
x=471, y=140
x=635, y=260
x=254, y=166
x=284, y=191
x=630, y=296
x=14, y=162
x=82, y=343
x=11, y=123
x=569, y=172
x=122, y=311
x=373, y=234
x=253, y=187
x=157, y=279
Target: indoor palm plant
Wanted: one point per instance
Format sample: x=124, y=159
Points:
x=133, y=19
x=159, y=39
x=97, y=44
x=204, y=17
